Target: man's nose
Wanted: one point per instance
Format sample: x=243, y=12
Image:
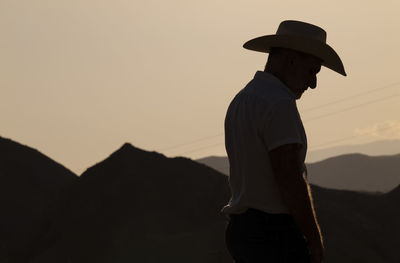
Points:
x=313, y=82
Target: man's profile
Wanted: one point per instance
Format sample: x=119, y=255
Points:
x=271, y=213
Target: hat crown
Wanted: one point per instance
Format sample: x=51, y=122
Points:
x=302, y=29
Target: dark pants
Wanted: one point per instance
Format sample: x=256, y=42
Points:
x=258, y=237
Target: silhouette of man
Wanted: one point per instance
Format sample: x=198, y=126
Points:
x=271, y=213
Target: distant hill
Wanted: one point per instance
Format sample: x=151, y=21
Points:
x=394, y=195
x=378, y=148
x=31, y=185
x=355, y=172
x=219, y=163
x=140, y=206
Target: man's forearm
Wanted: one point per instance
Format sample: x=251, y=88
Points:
x=296, y=194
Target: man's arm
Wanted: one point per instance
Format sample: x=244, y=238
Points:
x=296, y=193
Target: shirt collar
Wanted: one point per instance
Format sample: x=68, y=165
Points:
x=271, y=79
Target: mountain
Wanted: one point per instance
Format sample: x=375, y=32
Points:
x=394, y=194
x=219, y=163
x=377, y=148
x=355, y=172
x=140, y=206
x=31, y=186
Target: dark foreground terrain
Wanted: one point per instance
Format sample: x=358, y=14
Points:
x=140, y=206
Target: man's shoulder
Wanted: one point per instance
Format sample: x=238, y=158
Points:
x=250, y=95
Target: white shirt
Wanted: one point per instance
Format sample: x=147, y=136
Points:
x=261, y=117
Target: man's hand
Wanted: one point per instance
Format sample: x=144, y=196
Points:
x=316, y=248
x=296, y=194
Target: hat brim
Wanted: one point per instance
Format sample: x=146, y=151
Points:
x=323, y=51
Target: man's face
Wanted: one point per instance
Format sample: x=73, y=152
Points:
x=303, y=73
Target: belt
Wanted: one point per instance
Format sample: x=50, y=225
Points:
x=274, y=219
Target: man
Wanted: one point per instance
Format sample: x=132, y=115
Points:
x=271, y=213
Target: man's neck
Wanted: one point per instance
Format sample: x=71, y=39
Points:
x=276, y=73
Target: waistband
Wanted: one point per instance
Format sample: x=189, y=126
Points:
x=274, y=219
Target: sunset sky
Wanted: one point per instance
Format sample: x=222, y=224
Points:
x=79, y=78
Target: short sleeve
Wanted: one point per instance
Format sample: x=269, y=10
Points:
x=282, y=125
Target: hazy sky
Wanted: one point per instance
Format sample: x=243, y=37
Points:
x=79, y=78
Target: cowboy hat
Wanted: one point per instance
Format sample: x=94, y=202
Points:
x=303, y=37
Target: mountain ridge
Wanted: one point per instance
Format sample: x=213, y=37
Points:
x=31, y=186
x=376, y=148
x=155, y=201
x=141, y=206
x=346, y=172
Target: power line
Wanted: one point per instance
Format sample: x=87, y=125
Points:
x=353, y=107
x=318, y=117
x=351, y=97
x=309, y=109
x=315, y=147
x=347, y=138
x=206, y=147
